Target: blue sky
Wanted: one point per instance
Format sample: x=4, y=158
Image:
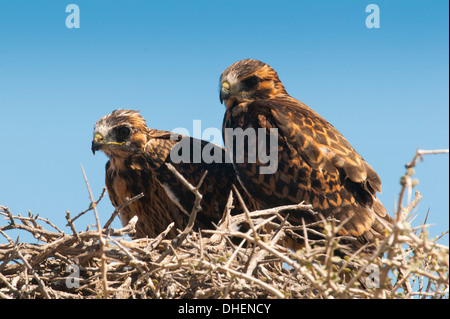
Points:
x=385, y=89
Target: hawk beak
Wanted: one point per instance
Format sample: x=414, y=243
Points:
x=97, y=143
x=224, y=91
x=223, y=96
x=95, y=146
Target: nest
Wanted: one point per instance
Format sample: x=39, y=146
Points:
x=222, y=263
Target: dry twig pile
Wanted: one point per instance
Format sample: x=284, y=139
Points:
x=221, y=263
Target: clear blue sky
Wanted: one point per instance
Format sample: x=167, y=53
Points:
x=385, y=89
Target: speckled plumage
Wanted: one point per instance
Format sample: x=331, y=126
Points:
x=316, y=164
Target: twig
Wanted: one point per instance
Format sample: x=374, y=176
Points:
x=35, y=275
x=8, y=213
x=162, y=235
x=420, y=153
x=119, y=209
x=246, y=213
x=397, y=228
x=279, y=234
x=139, y=264
x=72, y=226
x=90, y=206
x=177, y=241
x=45, y=233
x=251, y=279
x=101, y=240
x=406, y=178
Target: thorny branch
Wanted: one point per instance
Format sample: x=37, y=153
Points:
x=407, y=181
x=101, y=239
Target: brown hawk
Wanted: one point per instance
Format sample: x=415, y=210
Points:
x=137, y=156
x=316, y=164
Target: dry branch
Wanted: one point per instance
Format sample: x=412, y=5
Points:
x=406, y=180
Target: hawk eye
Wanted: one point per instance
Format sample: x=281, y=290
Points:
x=123, y=132
x=250, y=82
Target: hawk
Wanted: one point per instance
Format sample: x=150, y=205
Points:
x=316, y=164
x=137, y=157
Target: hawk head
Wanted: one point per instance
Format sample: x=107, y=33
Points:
x=120, y=133
x=248, y=80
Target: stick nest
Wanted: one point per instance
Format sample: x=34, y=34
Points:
x=221, y=263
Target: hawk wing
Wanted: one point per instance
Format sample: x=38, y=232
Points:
x=316, y=165
x=155, y=211
x=216, y=186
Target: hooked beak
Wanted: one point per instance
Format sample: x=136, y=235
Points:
x=223, y=96
x=97, y=143
x=224, y=91
x=95, y=146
